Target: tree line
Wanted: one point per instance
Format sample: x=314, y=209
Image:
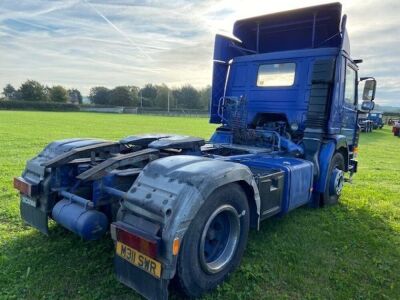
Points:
x=32, y=90
x=150, y=96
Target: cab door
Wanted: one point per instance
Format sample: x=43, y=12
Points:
x=349, y=109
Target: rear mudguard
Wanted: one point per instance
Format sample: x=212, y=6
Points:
x=171, y=190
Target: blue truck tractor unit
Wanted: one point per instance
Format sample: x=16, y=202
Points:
x=284, y=92
x=376, y=117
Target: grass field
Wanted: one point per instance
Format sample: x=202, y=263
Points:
x=351, y=250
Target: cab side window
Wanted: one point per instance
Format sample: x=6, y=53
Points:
x=276, y=75
x=350, y=86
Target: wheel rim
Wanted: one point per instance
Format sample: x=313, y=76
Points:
x=337, y=182
x=219, y=239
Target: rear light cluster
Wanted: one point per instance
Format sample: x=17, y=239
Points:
x=141, y=244
x=25, y=187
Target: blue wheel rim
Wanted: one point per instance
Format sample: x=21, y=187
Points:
x=219, y=239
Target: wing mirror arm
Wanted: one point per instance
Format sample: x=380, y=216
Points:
x=368, y=77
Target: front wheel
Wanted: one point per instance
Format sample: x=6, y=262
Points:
x=215, y=241
x=335, y=180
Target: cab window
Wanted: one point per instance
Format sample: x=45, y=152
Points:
x=276, y=75
x=350, y=86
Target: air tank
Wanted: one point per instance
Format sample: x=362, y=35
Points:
x=81, y=219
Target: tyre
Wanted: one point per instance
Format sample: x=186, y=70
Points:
x=335, y=180
x=214, y=242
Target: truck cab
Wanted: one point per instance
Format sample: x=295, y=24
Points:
x=299, y=77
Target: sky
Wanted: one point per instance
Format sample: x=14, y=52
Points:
x=86, y=43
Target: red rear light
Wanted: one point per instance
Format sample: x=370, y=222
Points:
x=146, y=246
x=24, y=187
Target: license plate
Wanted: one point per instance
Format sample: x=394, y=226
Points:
x=29, y=201
x=139, y=259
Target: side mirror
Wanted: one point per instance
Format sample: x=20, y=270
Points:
x=367, y=105
x=369, y=89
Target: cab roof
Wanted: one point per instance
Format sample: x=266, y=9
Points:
x=310, y=27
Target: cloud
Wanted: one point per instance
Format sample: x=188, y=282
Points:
x=82, y=43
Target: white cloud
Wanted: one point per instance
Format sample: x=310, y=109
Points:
x=82, y=43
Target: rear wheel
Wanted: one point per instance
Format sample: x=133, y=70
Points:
x=335, y=180
x=215, y=241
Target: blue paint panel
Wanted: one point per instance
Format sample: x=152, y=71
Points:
x=325, y=156
x=298, y=177
x=225, y=49
x=219, y=74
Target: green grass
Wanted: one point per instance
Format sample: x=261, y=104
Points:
x=351, y=250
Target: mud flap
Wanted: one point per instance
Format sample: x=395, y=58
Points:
x=141, y=281
x=35, y=217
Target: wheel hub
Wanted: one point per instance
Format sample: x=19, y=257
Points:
x=219, y=239
x=337, y=182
